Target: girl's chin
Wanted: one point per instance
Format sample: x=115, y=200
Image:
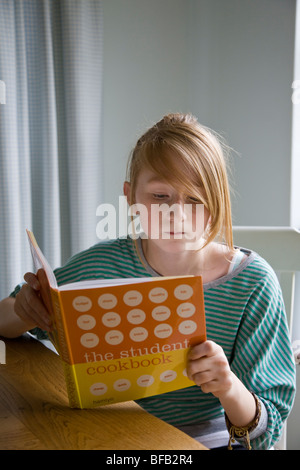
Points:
x=176, y=245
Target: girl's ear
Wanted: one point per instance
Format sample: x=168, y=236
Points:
x=127, y=191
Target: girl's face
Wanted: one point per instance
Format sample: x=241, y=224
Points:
x=171, y=219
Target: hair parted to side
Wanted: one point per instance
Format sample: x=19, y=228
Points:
x=201, y=175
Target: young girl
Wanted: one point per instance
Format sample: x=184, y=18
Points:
x=244, y=373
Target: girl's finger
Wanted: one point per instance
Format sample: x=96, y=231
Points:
x=32, y=281
x=207, y=348
x=29, y=304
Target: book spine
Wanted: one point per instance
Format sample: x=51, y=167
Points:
x=61, y=335
x=65, y=351
x=72, y=386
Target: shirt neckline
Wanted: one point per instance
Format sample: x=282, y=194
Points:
x=251, y=255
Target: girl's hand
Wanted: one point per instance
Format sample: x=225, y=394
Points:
x=31, y=301
x=208, y=367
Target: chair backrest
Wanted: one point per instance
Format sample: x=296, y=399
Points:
x=280, y=247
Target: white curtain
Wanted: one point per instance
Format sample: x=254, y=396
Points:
x=50, y=130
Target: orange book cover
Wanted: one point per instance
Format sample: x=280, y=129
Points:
x=124, y=339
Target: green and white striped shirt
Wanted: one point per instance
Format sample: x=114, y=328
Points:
x=244, y=314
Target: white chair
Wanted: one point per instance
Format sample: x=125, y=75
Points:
x=280, y=247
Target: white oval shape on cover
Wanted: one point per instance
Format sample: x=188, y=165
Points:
x=186, y=310
x=138, y=334
x=187, y=327
x=122, y=385
x=98, y=389
x=163, y=330
x=183, y=292
x=145, y=380
x=136, y=316
x=89, y=340
x=86, y=322
x=114, y=337
x=158, y=295
x=132, y=298
x=82, y=303
x=111, y=319
x=161, y=313
x=107, y=301
x=168, y=376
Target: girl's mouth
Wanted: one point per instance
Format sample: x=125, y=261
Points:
x=173, y=234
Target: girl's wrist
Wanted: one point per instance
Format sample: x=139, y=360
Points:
x=244, y=432
x=238, y=403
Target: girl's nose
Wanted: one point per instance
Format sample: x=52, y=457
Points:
x=180, y=209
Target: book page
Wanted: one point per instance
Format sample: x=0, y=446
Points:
x=94, y=283
x=40, y=261
x=46, y=279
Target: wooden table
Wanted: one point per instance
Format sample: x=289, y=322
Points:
x=34, y=410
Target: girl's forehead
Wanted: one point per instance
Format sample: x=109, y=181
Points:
x=169, y=167
x=149, y=176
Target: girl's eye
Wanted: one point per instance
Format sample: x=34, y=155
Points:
x=194, y=200
x=160, y=196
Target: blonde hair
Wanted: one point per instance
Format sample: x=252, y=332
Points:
x=202, y=173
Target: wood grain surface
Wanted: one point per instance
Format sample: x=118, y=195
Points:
x=35, y=414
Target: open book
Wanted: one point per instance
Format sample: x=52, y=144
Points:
x=123, y=339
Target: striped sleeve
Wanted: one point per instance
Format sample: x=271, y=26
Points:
x=263, y=358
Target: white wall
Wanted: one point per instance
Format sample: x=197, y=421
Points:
x=145, y=70
x=230, y=63
x=241, y=81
